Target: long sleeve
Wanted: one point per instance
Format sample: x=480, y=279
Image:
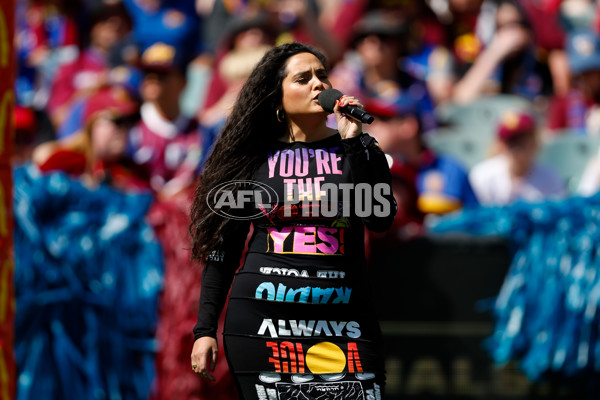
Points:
x=216, y=279
x=368, y=165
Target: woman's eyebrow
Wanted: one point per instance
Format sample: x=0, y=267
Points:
x=299, y=74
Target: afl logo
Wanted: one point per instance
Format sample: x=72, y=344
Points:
x=242, y=199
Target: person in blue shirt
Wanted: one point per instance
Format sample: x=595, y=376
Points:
x=174, y=22
x=373, y=67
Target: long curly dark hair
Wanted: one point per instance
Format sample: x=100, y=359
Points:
x=243, y=143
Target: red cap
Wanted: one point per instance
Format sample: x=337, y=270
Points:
x=25, y=119
x=514, y=123
x=114, y=99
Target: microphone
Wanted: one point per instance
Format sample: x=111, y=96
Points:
x=327, y=100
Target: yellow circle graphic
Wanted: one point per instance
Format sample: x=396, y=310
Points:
x=325, y=358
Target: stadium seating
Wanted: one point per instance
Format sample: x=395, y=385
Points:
x=465, y=147
x=479, y=118
x=569, y=153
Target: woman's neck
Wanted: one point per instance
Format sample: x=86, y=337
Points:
x=308, y=130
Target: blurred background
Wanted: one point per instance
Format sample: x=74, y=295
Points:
x=488, y=283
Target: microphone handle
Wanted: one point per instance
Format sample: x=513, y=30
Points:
x=359, y=114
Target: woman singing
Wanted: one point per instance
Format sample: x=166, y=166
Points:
x=300, y=323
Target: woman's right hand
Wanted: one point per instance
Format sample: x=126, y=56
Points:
x=204, y=357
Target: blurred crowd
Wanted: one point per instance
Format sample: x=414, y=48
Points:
x=132, y=93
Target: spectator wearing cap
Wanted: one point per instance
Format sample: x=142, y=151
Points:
x=165, y=141
x=441, y=183
x=514, y=174
x=98, y=154
x=80, y=78
x=371, y=69
x=508, y=64
x=579, y=110
x=125, y=76
x=26, y=126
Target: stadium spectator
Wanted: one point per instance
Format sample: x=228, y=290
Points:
x=299, y=20
x=165, y=141
x=109, y=24
x=98, y=153
x=514, y=174
x=508, y=64
x=427, y=56
x=125, y=76
x=579, y=109
x=466, y=27
x=403, y=57
x=234, y=68
x=242, y=33
x=338, y=17
x=311, y=21
x=576, y=14
x=441, y=183
x=46, y=37
x=371, y=68
x=26, y=126
x=257, y=23
x=173, y=22
x=549, y=29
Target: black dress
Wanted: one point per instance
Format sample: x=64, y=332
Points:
x=300, y=322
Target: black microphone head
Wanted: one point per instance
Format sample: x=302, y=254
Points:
x=328, y=97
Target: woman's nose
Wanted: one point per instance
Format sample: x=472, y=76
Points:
x=318, y=83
